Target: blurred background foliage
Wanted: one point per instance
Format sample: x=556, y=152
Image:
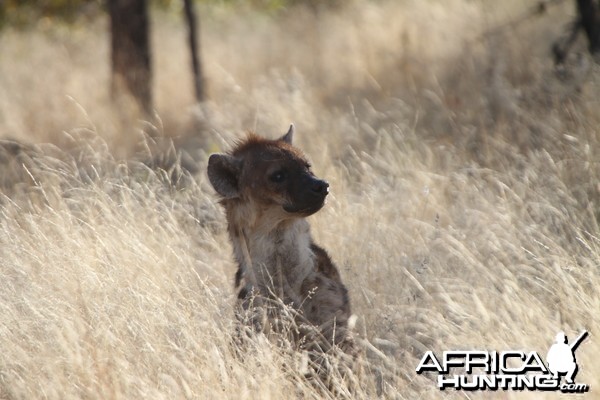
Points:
x=25, y=13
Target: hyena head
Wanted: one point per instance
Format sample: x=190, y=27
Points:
x=270, y=175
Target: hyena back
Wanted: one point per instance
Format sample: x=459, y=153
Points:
x=268, y=189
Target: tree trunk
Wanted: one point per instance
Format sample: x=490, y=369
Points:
x=194, y=44
x=589, y=17
x=130, y=52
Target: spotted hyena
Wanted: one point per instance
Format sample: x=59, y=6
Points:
x=268, y=189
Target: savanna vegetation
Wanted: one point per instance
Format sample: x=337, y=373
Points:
x=463, y=211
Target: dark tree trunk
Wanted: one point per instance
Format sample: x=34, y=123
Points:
x=130, y=51
x=589, y=18
x=194, y=44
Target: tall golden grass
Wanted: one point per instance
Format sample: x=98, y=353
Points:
x=463, y=212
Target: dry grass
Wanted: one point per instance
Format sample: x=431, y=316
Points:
x=463, y=214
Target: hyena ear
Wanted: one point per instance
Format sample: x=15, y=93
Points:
x=289, y=136
x=223, y=173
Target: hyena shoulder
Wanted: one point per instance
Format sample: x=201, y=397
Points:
x=324, y=264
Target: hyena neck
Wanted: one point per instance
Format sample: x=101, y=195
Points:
x=273, y=259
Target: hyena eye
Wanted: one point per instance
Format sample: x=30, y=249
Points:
x=278, y=177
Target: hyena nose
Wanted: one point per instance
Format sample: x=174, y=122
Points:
x=320, y=187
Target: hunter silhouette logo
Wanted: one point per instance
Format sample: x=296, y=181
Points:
x=561, y=356
x=508, y=370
